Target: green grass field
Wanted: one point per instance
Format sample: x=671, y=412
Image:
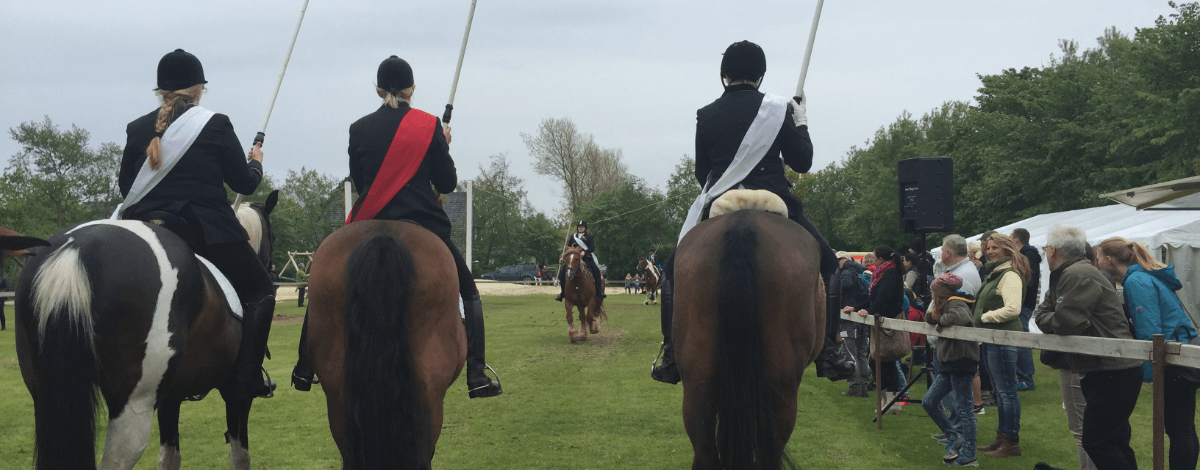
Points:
x=582, y=406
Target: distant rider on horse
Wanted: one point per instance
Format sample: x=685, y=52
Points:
x=374, y=140
x=200, y=153
x=720, y=129
x=582, y=238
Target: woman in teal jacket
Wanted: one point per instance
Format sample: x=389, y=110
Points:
x=1151, y=302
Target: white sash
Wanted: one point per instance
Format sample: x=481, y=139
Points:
x=176, y=141
x=753, y=148
x=579, y=241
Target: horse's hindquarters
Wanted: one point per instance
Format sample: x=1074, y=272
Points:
x=745, y=326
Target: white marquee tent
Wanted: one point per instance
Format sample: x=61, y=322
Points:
x=1173, y=235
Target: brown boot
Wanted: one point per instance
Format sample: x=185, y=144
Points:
x=1000, y=437
x=1011, y=447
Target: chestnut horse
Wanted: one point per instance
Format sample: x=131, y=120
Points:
x=749, y=318
x=124, y=311
x=579, y=292
x=387, y=339
x=652, y=278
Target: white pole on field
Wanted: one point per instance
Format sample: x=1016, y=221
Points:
x=812, y=36
x=349, y=205
x=470, y=221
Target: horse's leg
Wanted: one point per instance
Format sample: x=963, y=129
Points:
x=237, y=417
x=700, y=422
x=169, y=457
x=570, y=320
x=593, y=318
x=128, y=433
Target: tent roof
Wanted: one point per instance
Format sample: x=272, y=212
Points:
x=1153, y=228
x=1173, y=195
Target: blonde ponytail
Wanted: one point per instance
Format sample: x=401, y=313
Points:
x=1129, y=253
x=171, y=101
x=392, y=100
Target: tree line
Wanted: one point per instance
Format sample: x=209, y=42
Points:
x=1037, y=140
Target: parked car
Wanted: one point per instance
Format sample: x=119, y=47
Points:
x=515, y=272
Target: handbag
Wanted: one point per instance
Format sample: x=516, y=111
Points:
x=1055, y=359
x=891, y=345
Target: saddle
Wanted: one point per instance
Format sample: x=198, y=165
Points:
x=183, y=230
x=755, y=199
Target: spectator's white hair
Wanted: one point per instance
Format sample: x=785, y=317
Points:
x=1068, y=240
x=957, y=245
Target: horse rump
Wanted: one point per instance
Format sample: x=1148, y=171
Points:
x=387, y=422
x=55, y=301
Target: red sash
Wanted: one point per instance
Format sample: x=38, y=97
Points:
x=404, y=157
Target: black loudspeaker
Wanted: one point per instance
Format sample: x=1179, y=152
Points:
x=926, y=195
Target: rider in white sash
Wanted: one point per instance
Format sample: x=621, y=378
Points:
x=583, y=239
x=740, y=139
x=177, y=161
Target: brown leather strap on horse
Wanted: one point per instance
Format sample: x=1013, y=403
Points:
x=404, y=157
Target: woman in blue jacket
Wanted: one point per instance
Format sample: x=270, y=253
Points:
x=1151, y=302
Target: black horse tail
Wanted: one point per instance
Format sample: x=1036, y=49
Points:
x=745, y=431
x=66, y=398
x=387, y=424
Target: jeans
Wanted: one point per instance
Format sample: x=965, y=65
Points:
x=1025, y=355
x=954, y=391
x=1002, y=369
x=1111, y=396
x=1073, y=401
x=1179, y=411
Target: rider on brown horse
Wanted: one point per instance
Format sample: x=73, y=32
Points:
x=583, y=238
x=200, y=154
x=720, y=129
x=372, y=139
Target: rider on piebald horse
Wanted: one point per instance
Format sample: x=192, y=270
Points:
x=582, y=238
x=721, y=128
x=201, y=153
x=407, y=150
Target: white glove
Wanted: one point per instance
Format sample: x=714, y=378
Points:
x=799, y=111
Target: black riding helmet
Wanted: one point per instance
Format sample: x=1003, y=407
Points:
x=394, y=74
x=178, y=70
x=744, y=61
x=581, y=223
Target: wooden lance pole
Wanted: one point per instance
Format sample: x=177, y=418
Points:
x=461, y=52
x=262, y=131
x=812, y=36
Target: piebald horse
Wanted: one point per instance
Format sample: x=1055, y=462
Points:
x=387, y=339
x=123, y=311
x=652, y=279
x=579, y=291
x=748, y=319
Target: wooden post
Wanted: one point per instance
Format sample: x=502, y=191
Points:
x=876, y=332
x=1158, y=358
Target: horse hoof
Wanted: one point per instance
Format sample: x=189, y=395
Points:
x=646, y=302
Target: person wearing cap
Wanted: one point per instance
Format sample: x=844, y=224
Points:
x=721, y=128
x=372, y=155
x=201, y=155
x=583, y=238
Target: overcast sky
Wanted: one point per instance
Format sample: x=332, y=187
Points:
x=630, y=72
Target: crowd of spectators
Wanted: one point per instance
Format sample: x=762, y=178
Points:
x=1116, y=290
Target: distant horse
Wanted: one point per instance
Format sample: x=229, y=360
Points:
x=387, y=339
x=122, y=310
x=748, y=319
x=653, y=278
x=579, y=291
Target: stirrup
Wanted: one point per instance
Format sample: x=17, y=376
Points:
x=499, y=388
x=662, y=347
x=270, y=384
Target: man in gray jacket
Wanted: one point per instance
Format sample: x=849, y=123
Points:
x=1081, y=302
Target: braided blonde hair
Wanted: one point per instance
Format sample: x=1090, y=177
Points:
x=172, y=100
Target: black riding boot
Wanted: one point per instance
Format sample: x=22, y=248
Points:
x=600, y=287
x=829, y=364
x=256, y=327
x=479, y=385
x=667, y=371
x=302, y=374
x=562, y=284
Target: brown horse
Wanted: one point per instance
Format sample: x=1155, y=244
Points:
x=652, y=278
x=579, y=291
x=748, y=319
x=386, y=337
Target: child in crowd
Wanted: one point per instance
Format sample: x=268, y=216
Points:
x=959, y=359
